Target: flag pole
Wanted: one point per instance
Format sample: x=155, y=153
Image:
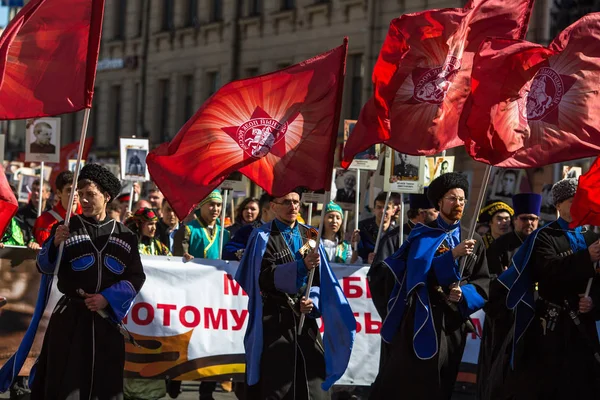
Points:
x=402, y=213
x=357, y=205
x=222, y=231
x=41, y=190
x=311, y=274
x=484, y=184
x=309, y=215
x=86, y=118
x=131, y=192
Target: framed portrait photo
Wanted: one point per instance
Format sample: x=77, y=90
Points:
x=404, y=173
x=236, y=182
x=443, y=165
x=133, y=154
x=26, y=187
x=73, y=163
x=42, y=140
x=345, y=188
x=506, y=184
x=570, y=172
x=367, y=159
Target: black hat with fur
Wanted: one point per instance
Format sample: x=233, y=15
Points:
x=443, y=183
x=102, y=177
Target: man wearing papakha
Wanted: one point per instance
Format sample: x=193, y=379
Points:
x=555, y=351
x=428, y=317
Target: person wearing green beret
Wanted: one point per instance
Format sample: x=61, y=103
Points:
x=338, y=250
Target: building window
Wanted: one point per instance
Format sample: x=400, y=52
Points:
x=356, y=77
x=120, y=17
x=168, y=14
x=163, y=111
x=250, y=72
x=191, y=18
x=288, y=4
x=188, y=97
x=216, y=10
x=254, y=8
x=140, y=16
x=213, y=82
x=115, y=100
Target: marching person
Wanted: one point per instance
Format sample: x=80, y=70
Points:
x=380, y=278
x=168, y=225
x=280, y=362
x=556, y=349
x=44, y=224
x=337, y=249
x=248, y=213
x=428, y=321
x=369, y=228
x=83, y=354
x=494, y=351
x=143, y=224
x=199, y=238
x=234, y=249
x=497, y=215
x=27, y=214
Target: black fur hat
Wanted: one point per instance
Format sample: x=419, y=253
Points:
x=102, y=177
x=443, y=183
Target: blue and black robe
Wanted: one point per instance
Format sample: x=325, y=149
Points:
x=83, y=354
x=426, y=335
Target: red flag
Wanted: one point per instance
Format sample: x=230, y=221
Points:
x=534, y=106
x=48, y=57
x=422, y=90
x=69, y=152
x=585, y=209
x=278, y=129
x=8, y=202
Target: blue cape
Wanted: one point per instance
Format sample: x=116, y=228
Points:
x=338, y=318
x=520, y=285
x=411, y=265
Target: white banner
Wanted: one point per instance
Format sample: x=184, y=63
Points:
x=193, y=316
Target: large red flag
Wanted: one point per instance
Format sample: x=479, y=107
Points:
x=422, y=77
x=278, y=129
x=8, y=202
x=48, y=57
x=533, y=106
x=585, y=209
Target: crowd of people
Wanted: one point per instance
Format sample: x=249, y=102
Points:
x=426, y=278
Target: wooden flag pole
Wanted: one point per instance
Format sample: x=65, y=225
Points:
x=223, y=214
x=131, y=192
x=86, y=119
x=311, y=274
x=484, y=184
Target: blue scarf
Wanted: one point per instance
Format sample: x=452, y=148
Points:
x=576, y=239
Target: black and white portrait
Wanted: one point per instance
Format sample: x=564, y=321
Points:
x=571, y=172
x=136, y=162
x=366, y=159
x=133, y=159
x=43, y=140
x=506, y=184
x=406, y=167
x=345, y=183
x=26, y=187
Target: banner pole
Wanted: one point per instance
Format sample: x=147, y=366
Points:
x=309, y=216
x=484, y=184
x=86, y=119
x=402, y=213
x=222, y=231
x=41, y=190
